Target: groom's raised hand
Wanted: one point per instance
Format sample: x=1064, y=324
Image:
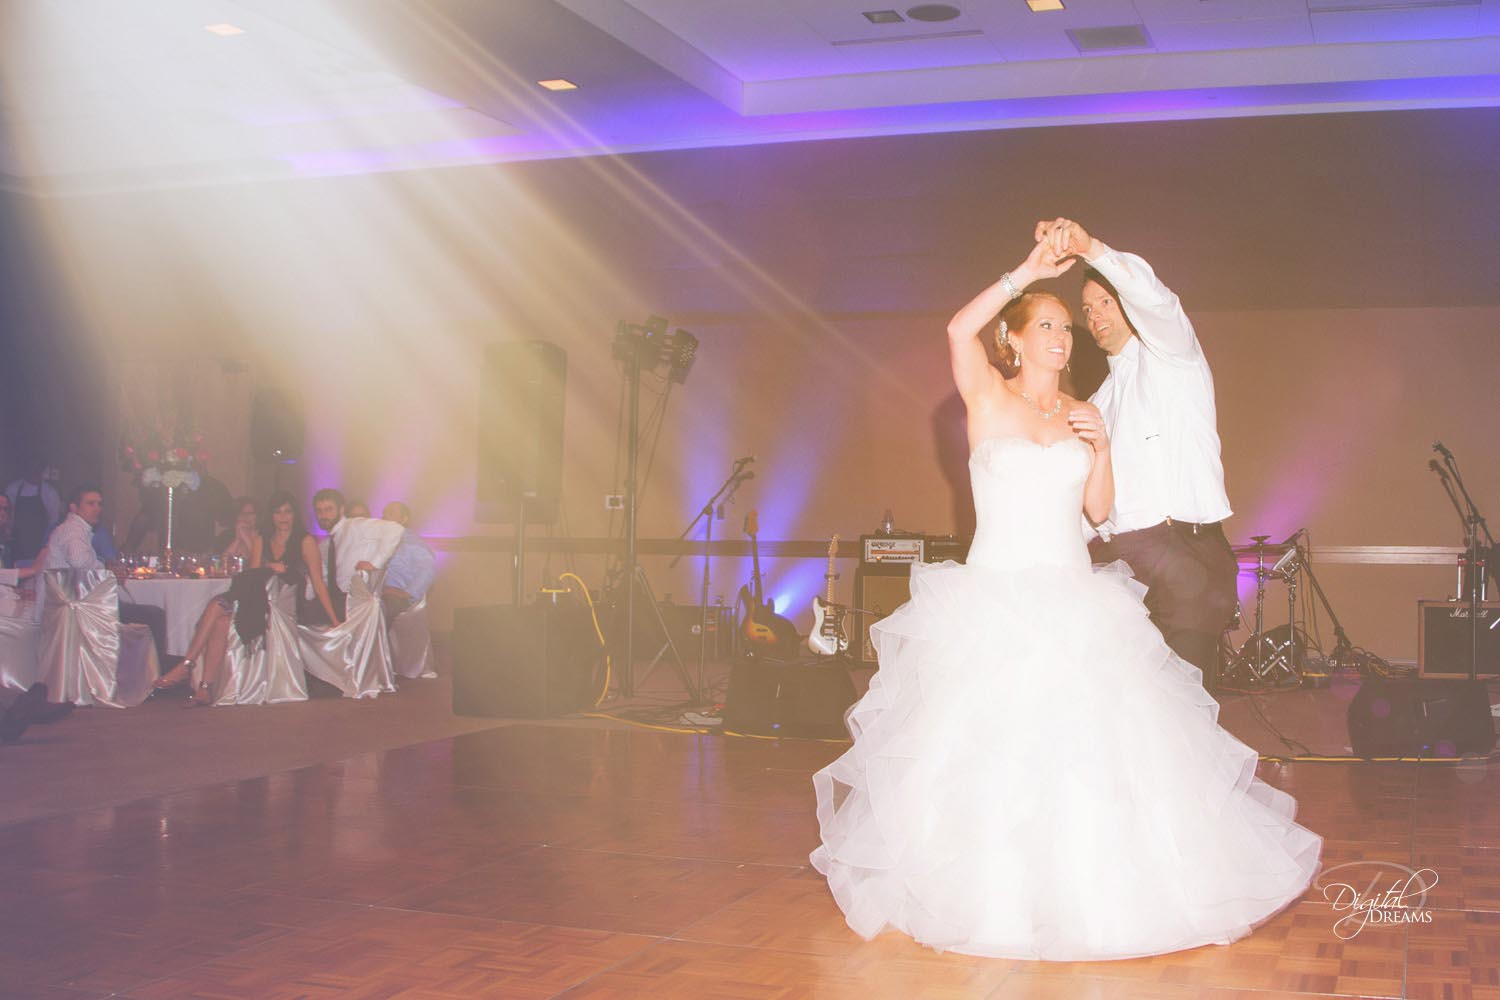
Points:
x=1066, y=238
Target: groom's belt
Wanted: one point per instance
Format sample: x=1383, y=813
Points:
x=1188, y=526
x=1171, y=524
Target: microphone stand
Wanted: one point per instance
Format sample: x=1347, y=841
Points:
x=1474, y=550
x=714, y=504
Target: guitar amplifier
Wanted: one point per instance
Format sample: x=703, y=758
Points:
x=892, y=550
x=878, y=590
x=1443, y=639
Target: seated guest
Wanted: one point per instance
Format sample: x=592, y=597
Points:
x=328, y=508
x=281, y=546
x=10, y=576
x=104, y=541
x=71, y=546
x=409, y=573
x=35, y=510
x=5, y=510
x=240, y=539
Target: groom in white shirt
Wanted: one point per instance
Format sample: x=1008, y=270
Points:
x=1158, y=403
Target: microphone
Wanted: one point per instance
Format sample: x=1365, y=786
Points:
x=1437, y=467
x=1437, y=446
x=743, y=461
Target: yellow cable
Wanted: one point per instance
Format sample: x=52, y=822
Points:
x=608, y=668
x=644, y=725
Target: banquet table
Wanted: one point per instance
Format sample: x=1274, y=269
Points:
x=183, y=599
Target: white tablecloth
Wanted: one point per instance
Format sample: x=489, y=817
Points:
x=183, y=601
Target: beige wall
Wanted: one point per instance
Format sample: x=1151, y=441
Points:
x=1342, y=272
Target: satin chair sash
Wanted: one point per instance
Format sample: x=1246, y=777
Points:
x=269, y=670
x=355, y=657
x=411, y=642
x=87, y=656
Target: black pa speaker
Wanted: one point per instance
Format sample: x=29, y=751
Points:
x=521, y=429
x=807, y=699
x=275, y=427
x=1424, y=717
x=533, y=661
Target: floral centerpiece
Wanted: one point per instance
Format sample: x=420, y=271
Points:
x=171, y=458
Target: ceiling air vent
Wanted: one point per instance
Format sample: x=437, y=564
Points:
x=1111, y=39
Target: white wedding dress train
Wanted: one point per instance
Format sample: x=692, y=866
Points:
x=1035, y=774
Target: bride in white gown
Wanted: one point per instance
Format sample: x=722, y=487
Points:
x=1035, y=774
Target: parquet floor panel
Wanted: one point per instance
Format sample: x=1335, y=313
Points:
x=539, y=861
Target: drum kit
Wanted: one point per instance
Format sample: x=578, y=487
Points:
x=1276, y=657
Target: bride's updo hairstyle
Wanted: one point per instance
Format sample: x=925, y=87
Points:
x=1016, y=314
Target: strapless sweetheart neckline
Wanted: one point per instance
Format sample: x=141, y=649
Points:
x=1048, y=446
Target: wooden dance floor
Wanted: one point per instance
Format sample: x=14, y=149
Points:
x=559, y=860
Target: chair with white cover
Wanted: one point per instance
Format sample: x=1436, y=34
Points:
x=88, y=656
x=411, y=642
x=267, y=670
x=354, y=657
x=20, y=635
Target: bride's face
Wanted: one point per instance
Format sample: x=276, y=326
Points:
x=1046, y=342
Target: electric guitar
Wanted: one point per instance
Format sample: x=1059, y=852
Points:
x=761, y=626
x=828, y=634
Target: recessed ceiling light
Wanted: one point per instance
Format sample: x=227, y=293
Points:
x=224, y=29
x=933, y=12
x=557, y=84
x=883, y=17
x=1041, y=5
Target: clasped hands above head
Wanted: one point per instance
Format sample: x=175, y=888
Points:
x=1064, y=238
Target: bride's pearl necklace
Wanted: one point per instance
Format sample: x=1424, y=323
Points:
x=1045, y=414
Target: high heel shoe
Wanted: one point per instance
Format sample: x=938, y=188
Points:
x=200, y=697
x=167, y=681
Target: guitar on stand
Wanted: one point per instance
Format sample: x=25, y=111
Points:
x=763, y=630
x=829, y=634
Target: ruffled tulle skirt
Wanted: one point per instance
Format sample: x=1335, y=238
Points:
x=1035, y=774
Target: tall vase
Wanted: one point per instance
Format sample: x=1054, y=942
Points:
x=170, y=497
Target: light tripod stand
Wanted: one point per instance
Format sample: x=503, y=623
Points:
x=643, y=348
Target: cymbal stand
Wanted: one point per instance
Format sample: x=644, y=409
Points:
x=1268, y=657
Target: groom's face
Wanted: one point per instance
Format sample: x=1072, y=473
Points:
x=1107, y=323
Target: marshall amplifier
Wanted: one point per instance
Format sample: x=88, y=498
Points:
x=1443, y=639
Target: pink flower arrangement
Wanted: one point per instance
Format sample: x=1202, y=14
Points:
x=174, y=457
